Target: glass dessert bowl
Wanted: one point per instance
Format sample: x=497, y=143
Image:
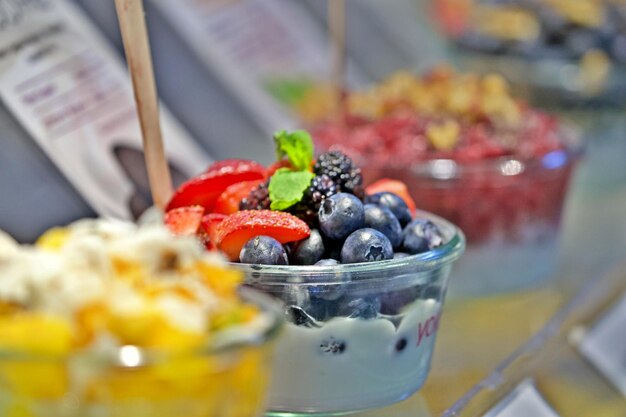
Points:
x=362, y=274
x=125, y=341
x=359, y=336
x=471, y=153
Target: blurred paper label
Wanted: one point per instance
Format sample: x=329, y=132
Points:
x=523, y=401
x=72, y=94
x=270, y=53
x=605, y=345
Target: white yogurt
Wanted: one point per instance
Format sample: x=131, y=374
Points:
x=366, y=370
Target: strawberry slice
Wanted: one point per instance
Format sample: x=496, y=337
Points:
x=238, y=228
x=228, y=201
x=184, y=221
x=393, y=186
x=239, y=165
x=205, y=189
x=284, y=163
x=208, y=229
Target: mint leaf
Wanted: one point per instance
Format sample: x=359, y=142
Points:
x=297, y=146
x=287, y=187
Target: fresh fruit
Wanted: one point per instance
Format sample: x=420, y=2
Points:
x=230, y=200
x=393, y=186
x=209, y=228
x=309, y=251
x=236, y=165
x=340, y=168
x=283, y=163
x=366, y=245
x=184, y=221
x=420, y=236
x=263, y=250
x=257, y=199
x=340, y=215
x=320, y=189
x=205, y=189
x=382, y=219
x=238, y=228
x=394, y=203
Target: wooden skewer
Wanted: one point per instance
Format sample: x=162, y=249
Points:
x=131, y=16
x=337, y=29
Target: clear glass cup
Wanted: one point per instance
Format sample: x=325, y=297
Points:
x=510, y=209
x=358, y=336
x=228, y=378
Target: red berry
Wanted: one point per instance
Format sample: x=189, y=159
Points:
x=228, y=201
x=271, y=170
x=205, y=189
x=238, y=228
x=236, y=165
x=184, y=221
x=209, y=228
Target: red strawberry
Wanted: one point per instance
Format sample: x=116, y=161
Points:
x=228, y=201
x=205, y=189
x=393, y=186
x=184, y=221
x=271, y=170
x=238, y=228
x=239, y=165
x=209, y=228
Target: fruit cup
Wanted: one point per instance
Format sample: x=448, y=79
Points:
x=226, y=378
x=359, y=336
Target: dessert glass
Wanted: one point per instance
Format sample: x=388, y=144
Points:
x=509, y=208
x=227, y=378
x=358, y=336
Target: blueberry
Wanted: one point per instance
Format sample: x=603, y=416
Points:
x=331, y=285
x=366, y=245
x=421, y=235
x=263, y=250
x=340, y=215
x=382, y=219
x=400, y=255
x=362, y=308
x=394, y=203
x=394, y=302
x=308, y=251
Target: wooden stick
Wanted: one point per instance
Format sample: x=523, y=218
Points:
x=131, y=16
x=337, y=29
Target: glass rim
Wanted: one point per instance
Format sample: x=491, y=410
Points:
x=442, y=255
x=132, y=356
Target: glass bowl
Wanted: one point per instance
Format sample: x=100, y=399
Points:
x=358, y=336
x=510, y=210
x=228, y=378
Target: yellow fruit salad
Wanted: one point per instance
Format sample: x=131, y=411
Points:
x=105, y=318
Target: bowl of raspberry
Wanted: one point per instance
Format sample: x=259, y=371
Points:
x=471, y=153
x=362, y=273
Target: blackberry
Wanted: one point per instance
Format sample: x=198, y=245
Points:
x=321, y=188
x=258, y=199
x=340, y=168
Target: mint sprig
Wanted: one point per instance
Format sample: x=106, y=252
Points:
x=297, y=147
x=287, y=187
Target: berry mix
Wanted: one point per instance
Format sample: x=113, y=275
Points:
x=300, y=210
x=466, y=148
